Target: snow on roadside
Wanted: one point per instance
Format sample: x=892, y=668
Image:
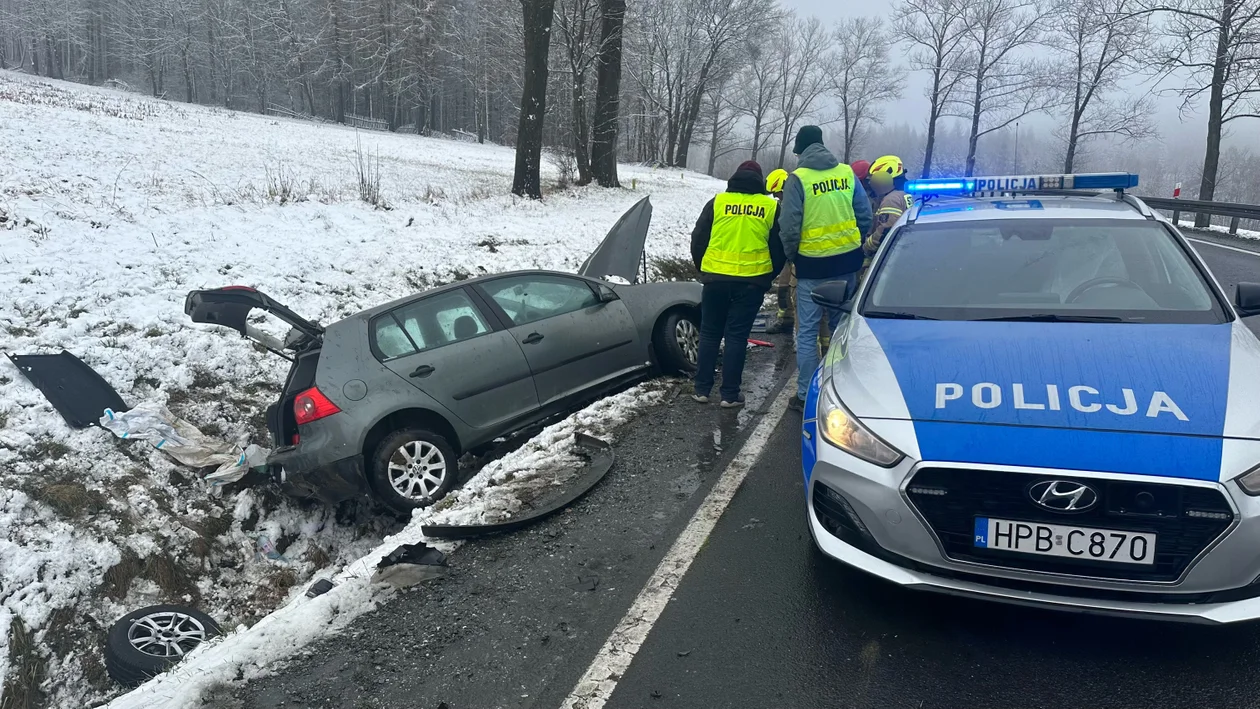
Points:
x=494, y=494
x=112, y=207
x=1220, y=229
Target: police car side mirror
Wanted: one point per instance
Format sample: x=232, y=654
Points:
x=833, y=295
x=1247, y=299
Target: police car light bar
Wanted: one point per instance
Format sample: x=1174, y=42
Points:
x=1118, y=181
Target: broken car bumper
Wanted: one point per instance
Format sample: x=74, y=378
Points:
x=330, y=483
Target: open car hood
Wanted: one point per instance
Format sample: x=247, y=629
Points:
x=621, y=252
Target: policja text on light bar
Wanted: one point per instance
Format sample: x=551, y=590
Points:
x=1118, y=181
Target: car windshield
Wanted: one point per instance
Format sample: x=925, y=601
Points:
x=1081, y=270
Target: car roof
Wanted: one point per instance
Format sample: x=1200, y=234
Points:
x=964, y=209
x=385, y=307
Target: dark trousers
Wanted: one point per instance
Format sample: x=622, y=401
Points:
x=727, y=309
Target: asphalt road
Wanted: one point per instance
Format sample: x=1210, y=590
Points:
x=1231, y=261
x=759, y=620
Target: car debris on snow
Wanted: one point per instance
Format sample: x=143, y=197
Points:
x=153, y=422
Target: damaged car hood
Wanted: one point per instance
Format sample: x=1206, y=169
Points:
x=621, y=252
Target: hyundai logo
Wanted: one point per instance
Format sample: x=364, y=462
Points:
x=1063, y=495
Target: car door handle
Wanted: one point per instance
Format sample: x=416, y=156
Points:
x=533, y=339
x=423, y=370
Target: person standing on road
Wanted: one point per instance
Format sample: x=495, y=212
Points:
x=888, y=182
x=785, y=318
x=862, y=171
x=825, y=212
x=736, y=248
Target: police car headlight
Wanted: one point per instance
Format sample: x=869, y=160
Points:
x=843, y=430
x=1250, y=481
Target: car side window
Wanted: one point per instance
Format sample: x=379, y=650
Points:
x=428, y=323
x=528, y=299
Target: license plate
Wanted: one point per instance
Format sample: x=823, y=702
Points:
x=1065, y=541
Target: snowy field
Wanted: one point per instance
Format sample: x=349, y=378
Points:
x=114, y=206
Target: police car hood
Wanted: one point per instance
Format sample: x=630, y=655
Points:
x=1141, y=398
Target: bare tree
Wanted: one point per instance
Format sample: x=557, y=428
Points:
x=757, y=89
x=864, y=77
x=526, y=181
x=1004, y=87
x=608, y=91
x=576, y=21
x=934, y=29
x=804, y=73
x=721, y=117
x=1100, y=41
x=1212, y=47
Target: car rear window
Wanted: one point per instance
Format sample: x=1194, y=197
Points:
x=1132, y=271
x=428, y=323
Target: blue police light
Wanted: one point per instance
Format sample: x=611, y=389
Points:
x=1012, y=184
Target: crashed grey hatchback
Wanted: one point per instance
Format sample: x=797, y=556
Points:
x=387, y=400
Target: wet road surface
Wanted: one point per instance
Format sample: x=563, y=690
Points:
x=760, y=620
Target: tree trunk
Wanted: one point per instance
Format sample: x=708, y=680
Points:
x=934, y=115
x=1212, y=158
x=608, y=94
x=974, y=138
x=581, y=131
x=527, y=182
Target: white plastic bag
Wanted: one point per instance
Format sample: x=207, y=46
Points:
x=182, y=441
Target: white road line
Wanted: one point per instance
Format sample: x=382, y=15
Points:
x=1249, y=252
x=596, y=686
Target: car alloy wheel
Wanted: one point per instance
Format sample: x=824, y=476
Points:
x=688, y=337
x=166, y=634
x=417, y=470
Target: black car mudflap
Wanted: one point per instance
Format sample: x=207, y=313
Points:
x=335, y=482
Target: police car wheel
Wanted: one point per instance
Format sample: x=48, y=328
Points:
x=676, y=341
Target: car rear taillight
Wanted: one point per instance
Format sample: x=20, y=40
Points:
x=312, y=405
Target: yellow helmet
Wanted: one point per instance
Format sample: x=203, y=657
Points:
x=884, y=169
x=776, y=181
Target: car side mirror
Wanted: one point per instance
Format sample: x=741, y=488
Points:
x=607, y=295
x=1247, y=299
x=833, y=295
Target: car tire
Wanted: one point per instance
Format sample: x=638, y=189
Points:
x=411, y=469
x=676, y=341
x=147, y=642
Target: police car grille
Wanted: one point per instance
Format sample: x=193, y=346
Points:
x=950, y=499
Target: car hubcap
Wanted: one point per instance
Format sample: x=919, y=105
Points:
x=689, y=340
x=416, y=470
x=166, y=634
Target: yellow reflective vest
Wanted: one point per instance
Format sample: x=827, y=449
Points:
x=828, y=227
x=739, y=242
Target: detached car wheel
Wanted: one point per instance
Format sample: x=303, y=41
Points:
x=412, y=468
x=145, y=643
x=677, y=343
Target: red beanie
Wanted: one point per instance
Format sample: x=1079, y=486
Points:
x=752, y=165
x=861, y=169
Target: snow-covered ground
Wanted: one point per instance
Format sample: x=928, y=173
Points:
x=1241, y=233
x=112, y=207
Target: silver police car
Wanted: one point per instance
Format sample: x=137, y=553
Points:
x=1042, y=396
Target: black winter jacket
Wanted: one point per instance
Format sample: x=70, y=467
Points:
x=742, y=182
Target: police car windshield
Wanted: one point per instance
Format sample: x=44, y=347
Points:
x=1044, y=270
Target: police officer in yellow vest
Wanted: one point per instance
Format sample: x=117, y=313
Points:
x=736, y=248
x=824, y=213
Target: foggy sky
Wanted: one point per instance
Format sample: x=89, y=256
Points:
x=913, y=107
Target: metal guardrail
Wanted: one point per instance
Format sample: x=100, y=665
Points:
x=1236, y=212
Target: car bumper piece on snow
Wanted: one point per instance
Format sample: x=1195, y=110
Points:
x=859, y=515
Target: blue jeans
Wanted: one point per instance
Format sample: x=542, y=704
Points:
x=809, y=316
x=727, y=309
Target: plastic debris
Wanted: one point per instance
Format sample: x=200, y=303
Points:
x=319, y=588
x=410, y=564
x=267, y=548
x=181, y=440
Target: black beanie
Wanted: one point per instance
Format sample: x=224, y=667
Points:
x=807, y=136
